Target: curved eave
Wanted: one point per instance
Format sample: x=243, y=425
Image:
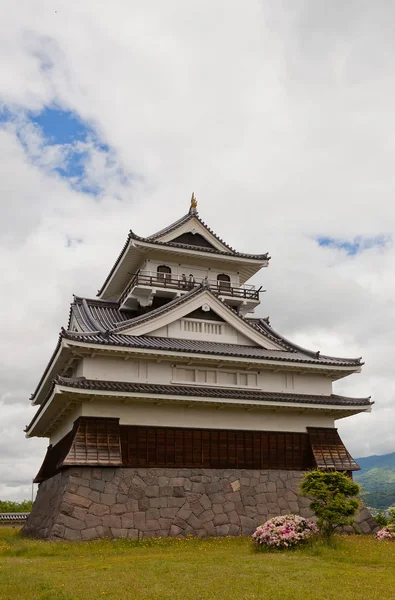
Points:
x=62, y=396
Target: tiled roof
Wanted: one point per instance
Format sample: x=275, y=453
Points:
x=208, y=392
x=115, y=321
x=188, y=217
x=200, y=248
x=203, y=347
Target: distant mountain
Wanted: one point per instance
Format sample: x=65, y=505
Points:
x=377, y=478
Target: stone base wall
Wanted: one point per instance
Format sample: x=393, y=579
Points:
x=86, y=503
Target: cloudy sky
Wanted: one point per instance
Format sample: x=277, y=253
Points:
x=278, y=115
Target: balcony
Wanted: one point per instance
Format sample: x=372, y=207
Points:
x=144, y=285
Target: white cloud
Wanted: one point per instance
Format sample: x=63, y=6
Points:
x=278, y=115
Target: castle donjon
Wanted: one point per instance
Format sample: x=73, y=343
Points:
x=172, y=410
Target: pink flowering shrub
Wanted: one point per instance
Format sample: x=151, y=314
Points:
x=387, y=533
x=284, y=532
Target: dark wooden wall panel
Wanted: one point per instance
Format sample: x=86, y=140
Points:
x=214, y=448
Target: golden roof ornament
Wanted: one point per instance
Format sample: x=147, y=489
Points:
x=193, y=203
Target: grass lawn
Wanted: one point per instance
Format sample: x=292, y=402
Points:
x=357, y=568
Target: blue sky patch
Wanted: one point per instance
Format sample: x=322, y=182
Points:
x=61, y=126
x=76, y=145
x=354, y=246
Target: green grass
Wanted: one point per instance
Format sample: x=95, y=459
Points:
x=356, y=568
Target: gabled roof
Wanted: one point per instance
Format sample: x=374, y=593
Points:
x=192, y=215
x=117, y=321
x=160, y=240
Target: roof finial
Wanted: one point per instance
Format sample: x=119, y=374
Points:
x=193, y=204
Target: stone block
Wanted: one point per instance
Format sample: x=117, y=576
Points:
x=163, y=481
x=107, y=473
x=152, y=524
x=111, y=521
x=71, y=523
x=169, y=513
x=245, y=481
x=294, y=508
x=166, y=490
x=127, y=522
x=165, y=523
x=212, y=488
x=205, y=502
x=218, y=498
x=249, y=501
x=271, y=486
x=103, y=532
x=290, y=496
x=234, y=517
x=206, y=516
x=72, y=534
x=209, y=528
x=221, y=519
x=222, y=530
x=175, y=502
x=217, y=509
x=79, y=513
x=234, y=529
x=152, y=513
x=198, y=488
x=97, y=485
x=92, y=520
x=94, y=496
x=99, y=509
x=133, y=534
x=121, y=498
x=228, y=506
x=176, y=481
x=89, y=534
x=233, y=496
x=282, y=503
x=194, y=522
x=76, y=500
x=158, y=502
x=108, y=499
x=119, y=532
x=144, y=503
x=184, y=512
x=110, y=488
x=118, y=509
x=152, y=491
x=178, y=491
x=139, y=520
x=58, y=530
x=84, y=491
x=175, y=531
x=180, y=523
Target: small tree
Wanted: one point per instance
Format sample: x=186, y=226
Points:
x=334, y=499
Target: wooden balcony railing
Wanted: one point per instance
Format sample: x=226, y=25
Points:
x=167, y=281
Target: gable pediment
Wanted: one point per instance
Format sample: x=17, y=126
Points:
x=191, y=230
x=185, y=319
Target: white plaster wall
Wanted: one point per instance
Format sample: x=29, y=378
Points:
x=178, y=415
x=150, y=371
x=228, y=334
x=65, y=425
x=198, y=271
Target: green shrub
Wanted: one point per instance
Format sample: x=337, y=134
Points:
x=333, y=499
x=9, y=506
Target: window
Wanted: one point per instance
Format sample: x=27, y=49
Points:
x=223, y=281
x=164, y=272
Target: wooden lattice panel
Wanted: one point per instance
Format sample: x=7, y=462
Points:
x=96, y=442
x=214, y=448
x=329, y=452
